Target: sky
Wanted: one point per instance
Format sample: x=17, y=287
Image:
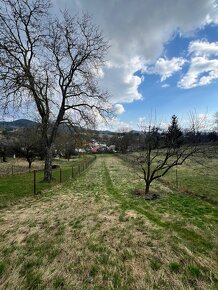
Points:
x=163, y=57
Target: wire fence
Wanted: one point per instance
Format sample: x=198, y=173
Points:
x=7, y=169
x=60, y=175
x=13, y=187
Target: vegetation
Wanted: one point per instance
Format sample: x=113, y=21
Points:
x=145, y=220
x=52, y=63
x=17, y=186
x=162, y=153
x=94, y=233
x=197, y=176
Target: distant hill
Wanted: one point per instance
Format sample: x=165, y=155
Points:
x=105, y=132
x=22, y=123
x=25, y=123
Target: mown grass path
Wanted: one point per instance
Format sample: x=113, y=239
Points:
x=93, y=233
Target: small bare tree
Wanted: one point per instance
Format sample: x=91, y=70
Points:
x=162, y=152
x=27, y=143
x=53, y=64
x=68, y=140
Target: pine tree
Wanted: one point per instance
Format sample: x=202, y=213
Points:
x=174, y=136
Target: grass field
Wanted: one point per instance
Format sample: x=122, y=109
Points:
x=93, y=233
x=198, y=176
x=18, y=165
x=14, y=187
x=200, y=179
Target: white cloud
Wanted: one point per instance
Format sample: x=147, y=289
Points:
x=121, y=81
x=165, y=85
x=203, y=65
x=116, y=125
x=138, y=30
x=202, y=71
x=203, y=48
x=119, y=109
x=167, y=67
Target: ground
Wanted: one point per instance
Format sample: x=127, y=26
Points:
x=93, y=233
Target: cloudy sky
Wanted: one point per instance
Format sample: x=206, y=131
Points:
x=163, y=58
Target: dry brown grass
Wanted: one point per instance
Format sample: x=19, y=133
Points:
x=19, y=166
x=80, y=237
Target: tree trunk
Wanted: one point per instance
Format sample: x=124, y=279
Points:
x=48, y=164
x=147, y=187
x=30, y=163
x=4, y=156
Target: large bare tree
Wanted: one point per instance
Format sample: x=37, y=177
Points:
x=52, y=64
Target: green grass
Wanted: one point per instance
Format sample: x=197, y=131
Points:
x=59, y=283
x=186, y=206
x=198, y=176
x=174, y=267
x=93, y=233
x=13, y=188
x=2, y=267
x=196, y=179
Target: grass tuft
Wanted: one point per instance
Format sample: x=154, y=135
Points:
x=174, y=267
x=2, y=267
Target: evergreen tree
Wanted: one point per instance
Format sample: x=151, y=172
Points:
x=174, y=136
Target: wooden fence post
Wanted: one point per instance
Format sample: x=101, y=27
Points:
x=60, y=175
x=177, y=183
x=34, y=182
x=72, y=174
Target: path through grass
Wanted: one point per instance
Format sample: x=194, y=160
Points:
x=94, y=234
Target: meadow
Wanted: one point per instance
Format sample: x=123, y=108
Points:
x=197, y=176
x=94, y=233
x=20, y=184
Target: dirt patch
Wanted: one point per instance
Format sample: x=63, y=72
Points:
x=148, y=196
x=131, y=214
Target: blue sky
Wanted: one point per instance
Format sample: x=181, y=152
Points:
x=171, y=99
x=163, y=57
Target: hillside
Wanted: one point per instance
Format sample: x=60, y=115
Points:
x=21, y=123
x=25, y=123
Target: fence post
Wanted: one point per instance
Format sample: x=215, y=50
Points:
x=34, y=182
x=60, y=175
x=72, y=174
x=79, y=168
x=12, y=170
x=177, y=184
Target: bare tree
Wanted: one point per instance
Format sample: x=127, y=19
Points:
x=6, y=144
x=162, y=152
x=123, y=140
x=53, y=64
x=68, y=140
x=27, y=144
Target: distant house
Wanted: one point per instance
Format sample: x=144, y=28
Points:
x=95, y=147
